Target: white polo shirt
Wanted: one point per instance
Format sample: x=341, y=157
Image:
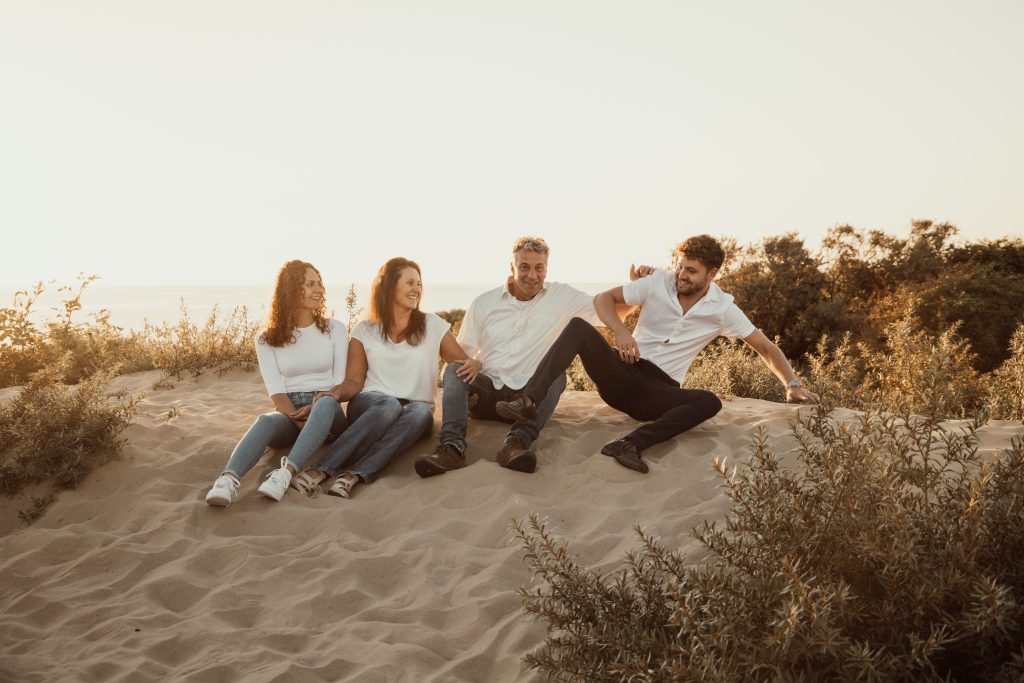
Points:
x=670, y=339
x=510, y=337
x=314, y=362
x=403, y=370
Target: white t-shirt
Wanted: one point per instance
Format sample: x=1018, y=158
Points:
x=670, y=339
x=403, y=370
x=510, y=337
x=315, y=362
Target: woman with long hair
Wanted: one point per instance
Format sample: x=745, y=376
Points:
x=400, y=346
x=309, y=369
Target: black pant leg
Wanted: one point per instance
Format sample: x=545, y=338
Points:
x=599, y=359
x=673, y=412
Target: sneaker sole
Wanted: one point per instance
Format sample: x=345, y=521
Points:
x=270, y=495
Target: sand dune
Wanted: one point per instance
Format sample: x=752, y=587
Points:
x=133, y=577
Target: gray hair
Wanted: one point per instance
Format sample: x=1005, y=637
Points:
x=530, y=244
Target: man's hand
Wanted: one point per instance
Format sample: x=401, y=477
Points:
x=637, y=272
x=334, y=393
x=468, y=369
x=629, y=352
x=800, y=395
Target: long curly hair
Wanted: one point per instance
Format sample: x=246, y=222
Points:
x=382, y=303
x=284, y=309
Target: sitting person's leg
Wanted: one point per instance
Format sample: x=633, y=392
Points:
x=612, y=376
x=370, y=414
x=455, y=409
x=672, y=411
x=416, y=421
x=326, y=417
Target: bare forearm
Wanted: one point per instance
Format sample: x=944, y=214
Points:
x=778, y=364
x=283, y=404
x=606, y=308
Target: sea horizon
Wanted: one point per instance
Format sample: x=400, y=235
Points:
x=133, y=306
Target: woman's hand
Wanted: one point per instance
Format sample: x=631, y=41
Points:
x=468, y=370
x=300, y=416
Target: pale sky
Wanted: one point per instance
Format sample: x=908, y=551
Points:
x=210, y=141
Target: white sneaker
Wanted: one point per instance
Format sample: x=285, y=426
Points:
x=224, y=491
x=277, y=482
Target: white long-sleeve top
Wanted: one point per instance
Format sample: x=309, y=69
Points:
x=314, y=362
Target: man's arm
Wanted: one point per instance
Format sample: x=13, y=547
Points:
x=776, y=361
x=606, y=304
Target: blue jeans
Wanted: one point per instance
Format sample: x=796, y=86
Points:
x=382, y=426
x=278, y=431
x=455, y=407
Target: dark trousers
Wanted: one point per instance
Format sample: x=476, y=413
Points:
x=641, y=390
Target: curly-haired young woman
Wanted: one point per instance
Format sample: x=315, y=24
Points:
x=309, y=369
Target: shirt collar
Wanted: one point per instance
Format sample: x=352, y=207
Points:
x=506, y=295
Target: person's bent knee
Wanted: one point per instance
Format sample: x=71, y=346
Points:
x=710, y=403
x=578, y=323
x=421, y=413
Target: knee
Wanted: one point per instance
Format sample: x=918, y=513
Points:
x=384, y=405
x=451, y=381
x=272, y=420
x=709, y=403
x=422, y=414
x=325, y=404
x=578, y=323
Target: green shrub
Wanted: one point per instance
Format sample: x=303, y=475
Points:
x=54, y=432
x=892, y=551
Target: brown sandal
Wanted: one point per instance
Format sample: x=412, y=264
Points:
x=308, y=482
x=343, y=485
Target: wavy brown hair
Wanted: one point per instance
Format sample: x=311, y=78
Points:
x=382, y=302
x=284, y=309
x=703, y=248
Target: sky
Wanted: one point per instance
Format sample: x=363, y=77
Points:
x=206, y=142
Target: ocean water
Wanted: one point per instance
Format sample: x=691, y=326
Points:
x=132, y=306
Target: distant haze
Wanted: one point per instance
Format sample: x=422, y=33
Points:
x=207, y=142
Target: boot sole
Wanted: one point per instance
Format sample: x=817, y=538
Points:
x=512, y=415
x=635, y=465
x=524, y=462
x=426, y=468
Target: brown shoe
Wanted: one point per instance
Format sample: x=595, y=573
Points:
x=516, y=455
x=445, y=458
x=519, y=409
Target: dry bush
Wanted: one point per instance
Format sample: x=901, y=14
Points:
x=1006, y=383
x=82, y=348
x=184, y=349
x=892, y=551
x=913, y=369
x=731, y=367
x=55, y=432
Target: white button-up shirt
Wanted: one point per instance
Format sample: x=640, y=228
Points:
x=510, y=337
x=671, y=339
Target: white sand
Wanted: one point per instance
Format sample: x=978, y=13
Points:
x=133, y=577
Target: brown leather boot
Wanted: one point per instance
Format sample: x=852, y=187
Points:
x=445, y=458
x=516, y=455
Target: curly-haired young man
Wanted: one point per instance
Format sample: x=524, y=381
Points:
x=683, y=311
